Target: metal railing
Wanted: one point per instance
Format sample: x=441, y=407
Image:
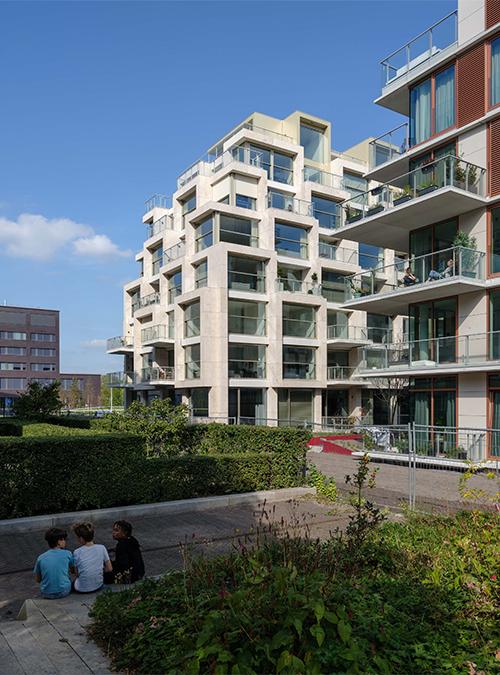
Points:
x=444, y=265
x=325, y=178
x=390, y=145
x=283, y=285
x=120, y=342
x=174, y=253
x=299, y=328
x=244, y=368
x=299, y=371
x=240, y=154
x=338, y=253
x=278, y=200
x=157, y=332
x=264, y=131
x=345, y=332
x=340, y=372
x=421, y=49
x=145, y=301
x=156, y=201
x=166, y=222
x=463, y=350
x=246, y=325
x=246, y=281
x=155, y=374
x=449, y=171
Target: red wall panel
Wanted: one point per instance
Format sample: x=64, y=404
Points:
x=470, y=73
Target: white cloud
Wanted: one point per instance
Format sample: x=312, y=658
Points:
x=99, y=246
x=38, y=238
x=94, y=344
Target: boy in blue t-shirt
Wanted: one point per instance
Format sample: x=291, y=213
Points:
x=52, y=568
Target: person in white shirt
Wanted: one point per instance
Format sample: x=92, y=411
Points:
x=91, y=560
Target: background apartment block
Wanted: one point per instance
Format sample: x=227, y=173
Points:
x=238, y=308
x=29, y=350
x=439, y=205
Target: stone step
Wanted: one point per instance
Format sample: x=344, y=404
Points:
x=27, y=651
x=8, y=660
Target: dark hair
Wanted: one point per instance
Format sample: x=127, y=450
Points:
x=125, y=526
x=54, y=535
x=84, y=530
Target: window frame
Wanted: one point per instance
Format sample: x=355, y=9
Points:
x=432, y=78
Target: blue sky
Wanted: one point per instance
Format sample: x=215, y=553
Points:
x=105, y=103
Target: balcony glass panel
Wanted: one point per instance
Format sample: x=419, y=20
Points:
x=192, y=320
x=193, y=362
x=114, y=343
x=323, y=178
x=245, y=274
x=158, y=332
x=299, y=363
x=247, y=361
x=204, y=234
x=174, y=253
x=326, y=211
x=155, y=374
x=388, y=146
x=163, y=223
x=333, y=286
x=238, y=230
x=156, y=202
x=145, y=301
x=156, y=260
x=291, y=241
x=289, y=285
x=339, y=253
x=285, y=202
x=299, y=321
x=346, y=332
x=339, y=372
x=201, y=274
x=174, y=286
x=246, y=318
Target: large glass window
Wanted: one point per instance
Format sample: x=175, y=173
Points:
x=495, y=72
x=420, y=112
x=12, y=366
x=39, y=351
x=279, y=167
x=44, y=367
x=312, y=140
x=43, y=337
x=199, y=402
x=444, y=115
x=246, y=274
x=204, y=234
x=379, y=328
x=12, y=383
x=495, y=325
x=426, y=120
x=335, y=403
x=291, y=240
x=238, y=230
x=246, y=318
x=333, y=286
x=12, y=335
x=495, y=242
x=192, y=320
x=438, y=238
x=370, y=257
x=13, y=351
x=246, y=360
x=157, y=259
x=295, y=407
x=433, y=404
x=201, y=274
x=245, y=202
x=299, y=362
x=188, y=205
x=299, y=321
x=433, y=331
x=326, y=211
x=247, y=406
x=354, y=183
x=174, y=286
x=193, y=362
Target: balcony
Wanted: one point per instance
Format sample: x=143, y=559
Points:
x=157, y=201
x=155, y=375
x=337, y=253
x=423, y=52
x=164, y=223
x=341, y=375
x=391, y=145
x=440, y=190
x=440, y=274
x=247, y=369
x=174, y=253
x=246, y=282
x=454, y=354
x=292, y=286
x=278, y=200
x=158, y=335
x=211, y=164
x=320, y=177
x=347, y=337
x=238, y=324
x=299, y=328
x=145, y=301
x=298, y=371
x=120, y=379
x=120, y=345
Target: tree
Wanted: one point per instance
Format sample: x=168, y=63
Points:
x=393, y=391
x=75, y=397
x=38, y=401
x=106, y=394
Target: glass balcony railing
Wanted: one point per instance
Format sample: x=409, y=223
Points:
x=145, y=301
x=247, y=281
x=250, y=369
x=338, y=253
x=459, y=350
x=339, y=372
x=157, y=201
x=158, y=332
x=193, y=370
x=277, y=200
x=299, y=328
x=240, y=154
x=331, y=180
x=164, y=223
x=327, y=219
x=379, y=335
x=422, y=49
x=120, y=379
x=449, y=171
x=388, y=146
x=264, y=131
x=174, y=253
x=283, y=285
x=344, y=332
x=246, y=325
x=451, y=263
x=298, y=371
x=119, y=342
x=155, y=374
x=291, y=248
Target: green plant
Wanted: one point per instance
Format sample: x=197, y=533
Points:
x=426, y=184
x=38, y=401
x=10, y=428
x=366, y=515
x=465, y=240
x=325, y=485
x=407, y=190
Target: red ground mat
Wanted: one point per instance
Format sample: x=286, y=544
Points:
x=330, y=443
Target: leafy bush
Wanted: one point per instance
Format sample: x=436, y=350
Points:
x=38, y=401
x=325, y=485
x=10, y=428
x=70, y=422
x=45, y=429
x=420, y=598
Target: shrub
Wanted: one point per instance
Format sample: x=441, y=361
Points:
x=38, y=401
x=10, y=428
x=70, y=422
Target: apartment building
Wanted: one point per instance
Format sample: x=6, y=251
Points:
x=438, y=203
x=29, y=350
x=238, y=307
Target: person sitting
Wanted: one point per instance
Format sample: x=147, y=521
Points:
x=128, y=565
x=91, y=560
x=409, y=278
x=52, y=568
x=449, y=271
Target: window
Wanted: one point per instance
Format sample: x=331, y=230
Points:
x=188, y=205
x=13, y=351
x=333, y=286
x=354, y=183
x=370, y=257
x=291, y=240
x=246, y=318
x=201, y=274
x=45, y=367
x=312, y=139
x=157, y=259
x=295, y=407
x=43, y=337
x=199, y=402
x=174, y=286
x=246, y=274
x=192, y=320
x=299, y=321
x=247, y=361
x=15, y=317
x=326, y=211
x=299, y=363
x=433, y=403
x=246, y=202
x=193, y=362
x=12, y=383
x=495, y=241
x=247, y=406
x=379, y=328
x=40, y=351
x=495, y=73
x=426, y=120
x=238, y=230
x=279, y=167
x=433, y=328
x=141, y=267
x=43, y=320
x=204, y=234
x=430, y=248
x=12, y=335
x=12, y=366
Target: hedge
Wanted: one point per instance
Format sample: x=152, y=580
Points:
x=57, y=474
x=71, y=422
x=10, y=428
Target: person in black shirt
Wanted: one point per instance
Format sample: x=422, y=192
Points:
x=128, y=565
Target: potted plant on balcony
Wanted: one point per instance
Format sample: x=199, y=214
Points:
x=466, y=175
x=405, y=196
x=426, y=187
x=468, y=257
x=376, y=208
x=314, y=280
x=351, y=215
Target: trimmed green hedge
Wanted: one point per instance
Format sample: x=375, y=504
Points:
x=222, y=438
x=57, y=474
x=70, y=422
x=10, y=428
